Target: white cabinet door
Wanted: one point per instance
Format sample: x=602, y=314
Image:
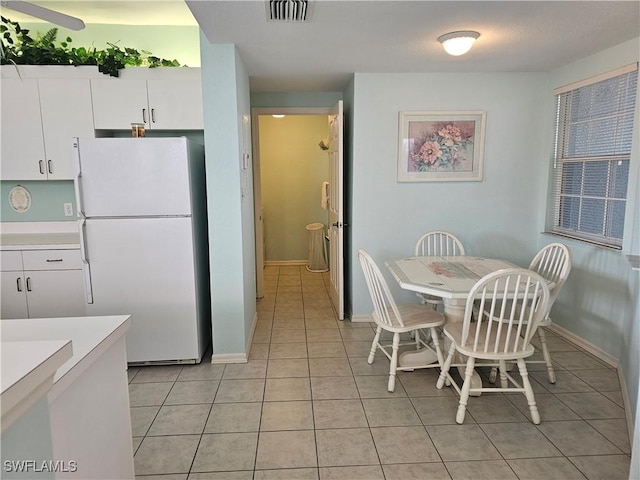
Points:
x=171, y=104
x=66, y=113
x=175, y=104
x=42, y=116
x=13, y=297
x=23, y=155
x=118, y=103
x=55, y=293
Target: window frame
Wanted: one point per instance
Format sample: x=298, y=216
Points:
x=557, y=204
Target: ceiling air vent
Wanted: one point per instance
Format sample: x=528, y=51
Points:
x=288, y=10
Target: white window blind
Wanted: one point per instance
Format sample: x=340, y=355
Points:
x=594, y=130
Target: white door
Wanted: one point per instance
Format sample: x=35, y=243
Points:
x=117, y=103
x=128, y=177
x=175, y=104
x=23, y=155
x=145, y=268
x=13, y=292
x=336, y=209
x=62, y=120
x=55, y=293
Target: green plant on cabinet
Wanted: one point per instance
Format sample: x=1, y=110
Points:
x=20, y=48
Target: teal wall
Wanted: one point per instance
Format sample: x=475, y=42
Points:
x=599, y=302
x=47, y=201
x=229, y=199
x=492, y=217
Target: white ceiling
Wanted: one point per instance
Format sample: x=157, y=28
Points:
x=342, y=37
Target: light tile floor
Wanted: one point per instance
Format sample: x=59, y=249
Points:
x=308, y=406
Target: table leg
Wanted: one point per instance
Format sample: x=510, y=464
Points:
x=454, y=312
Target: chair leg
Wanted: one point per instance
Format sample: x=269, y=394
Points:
x=394, y=362
x=547, y=357
x=504, y=383
x=374, y=346
x=464, y=394
x=444, y=370
x=528, y=392
x=416, y=334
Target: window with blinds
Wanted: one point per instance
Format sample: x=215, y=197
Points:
x=594, y=130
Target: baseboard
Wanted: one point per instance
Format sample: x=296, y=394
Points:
x=610, y=360
x=627, y=406
x=237, y=357
x=277, y=263
x=229, y=358
x=582, y=343
x=253, y=330
x=361, y=318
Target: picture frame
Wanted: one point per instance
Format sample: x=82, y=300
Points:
x=441, y=146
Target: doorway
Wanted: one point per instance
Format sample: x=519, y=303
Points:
x=289, y=168
x=291, y=161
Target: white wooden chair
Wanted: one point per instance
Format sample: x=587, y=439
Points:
x=553, y=263
x=397, y=319
x=434, y=243
x=502, y=336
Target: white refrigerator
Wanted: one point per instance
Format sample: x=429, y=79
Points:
x=143, y=232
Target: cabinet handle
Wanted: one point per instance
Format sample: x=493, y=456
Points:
x=50, y=166
x=41, y=166
x=19, y=284
x=144, y=115
x=153, y=115
x=49, y=260
x=28, y=284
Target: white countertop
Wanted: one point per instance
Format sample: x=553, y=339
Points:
x=90, y=335
x=27, y=375
x=39, y=235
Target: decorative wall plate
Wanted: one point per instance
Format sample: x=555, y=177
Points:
x=19, y=199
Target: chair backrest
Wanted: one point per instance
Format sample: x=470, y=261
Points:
x=515, y=301
x=439, y=243
x=553, y=263
x=385, y=310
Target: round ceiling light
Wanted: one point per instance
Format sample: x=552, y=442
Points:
x=458, y=43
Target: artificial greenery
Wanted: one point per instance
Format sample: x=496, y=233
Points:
x=19, y=48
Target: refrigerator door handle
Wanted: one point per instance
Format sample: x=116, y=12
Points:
x=77, y=178
x=86, y=268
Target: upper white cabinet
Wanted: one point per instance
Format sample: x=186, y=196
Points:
x=168, y=103
x=44, y=107
x=40, y=118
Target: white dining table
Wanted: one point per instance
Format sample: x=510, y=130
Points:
x=448, y=277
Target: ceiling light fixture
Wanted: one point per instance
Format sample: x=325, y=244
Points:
x=278, y=116
x=458, y=43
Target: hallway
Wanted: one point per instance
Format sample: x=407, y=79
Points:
x=308, y=406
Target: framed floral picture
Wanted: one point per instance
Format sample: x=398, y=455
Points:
x=441, y=146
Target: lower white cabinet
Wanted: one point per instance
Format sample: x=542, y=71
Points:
x=41, y=283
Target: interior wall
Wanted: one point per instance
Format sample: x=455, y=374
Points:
x=293, y=167
x=599, y=303
x=229, y=200
x=492, y=217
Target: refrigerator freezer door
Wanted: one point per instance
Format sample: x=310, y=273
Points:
x=145, y=268
x=133, y=177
